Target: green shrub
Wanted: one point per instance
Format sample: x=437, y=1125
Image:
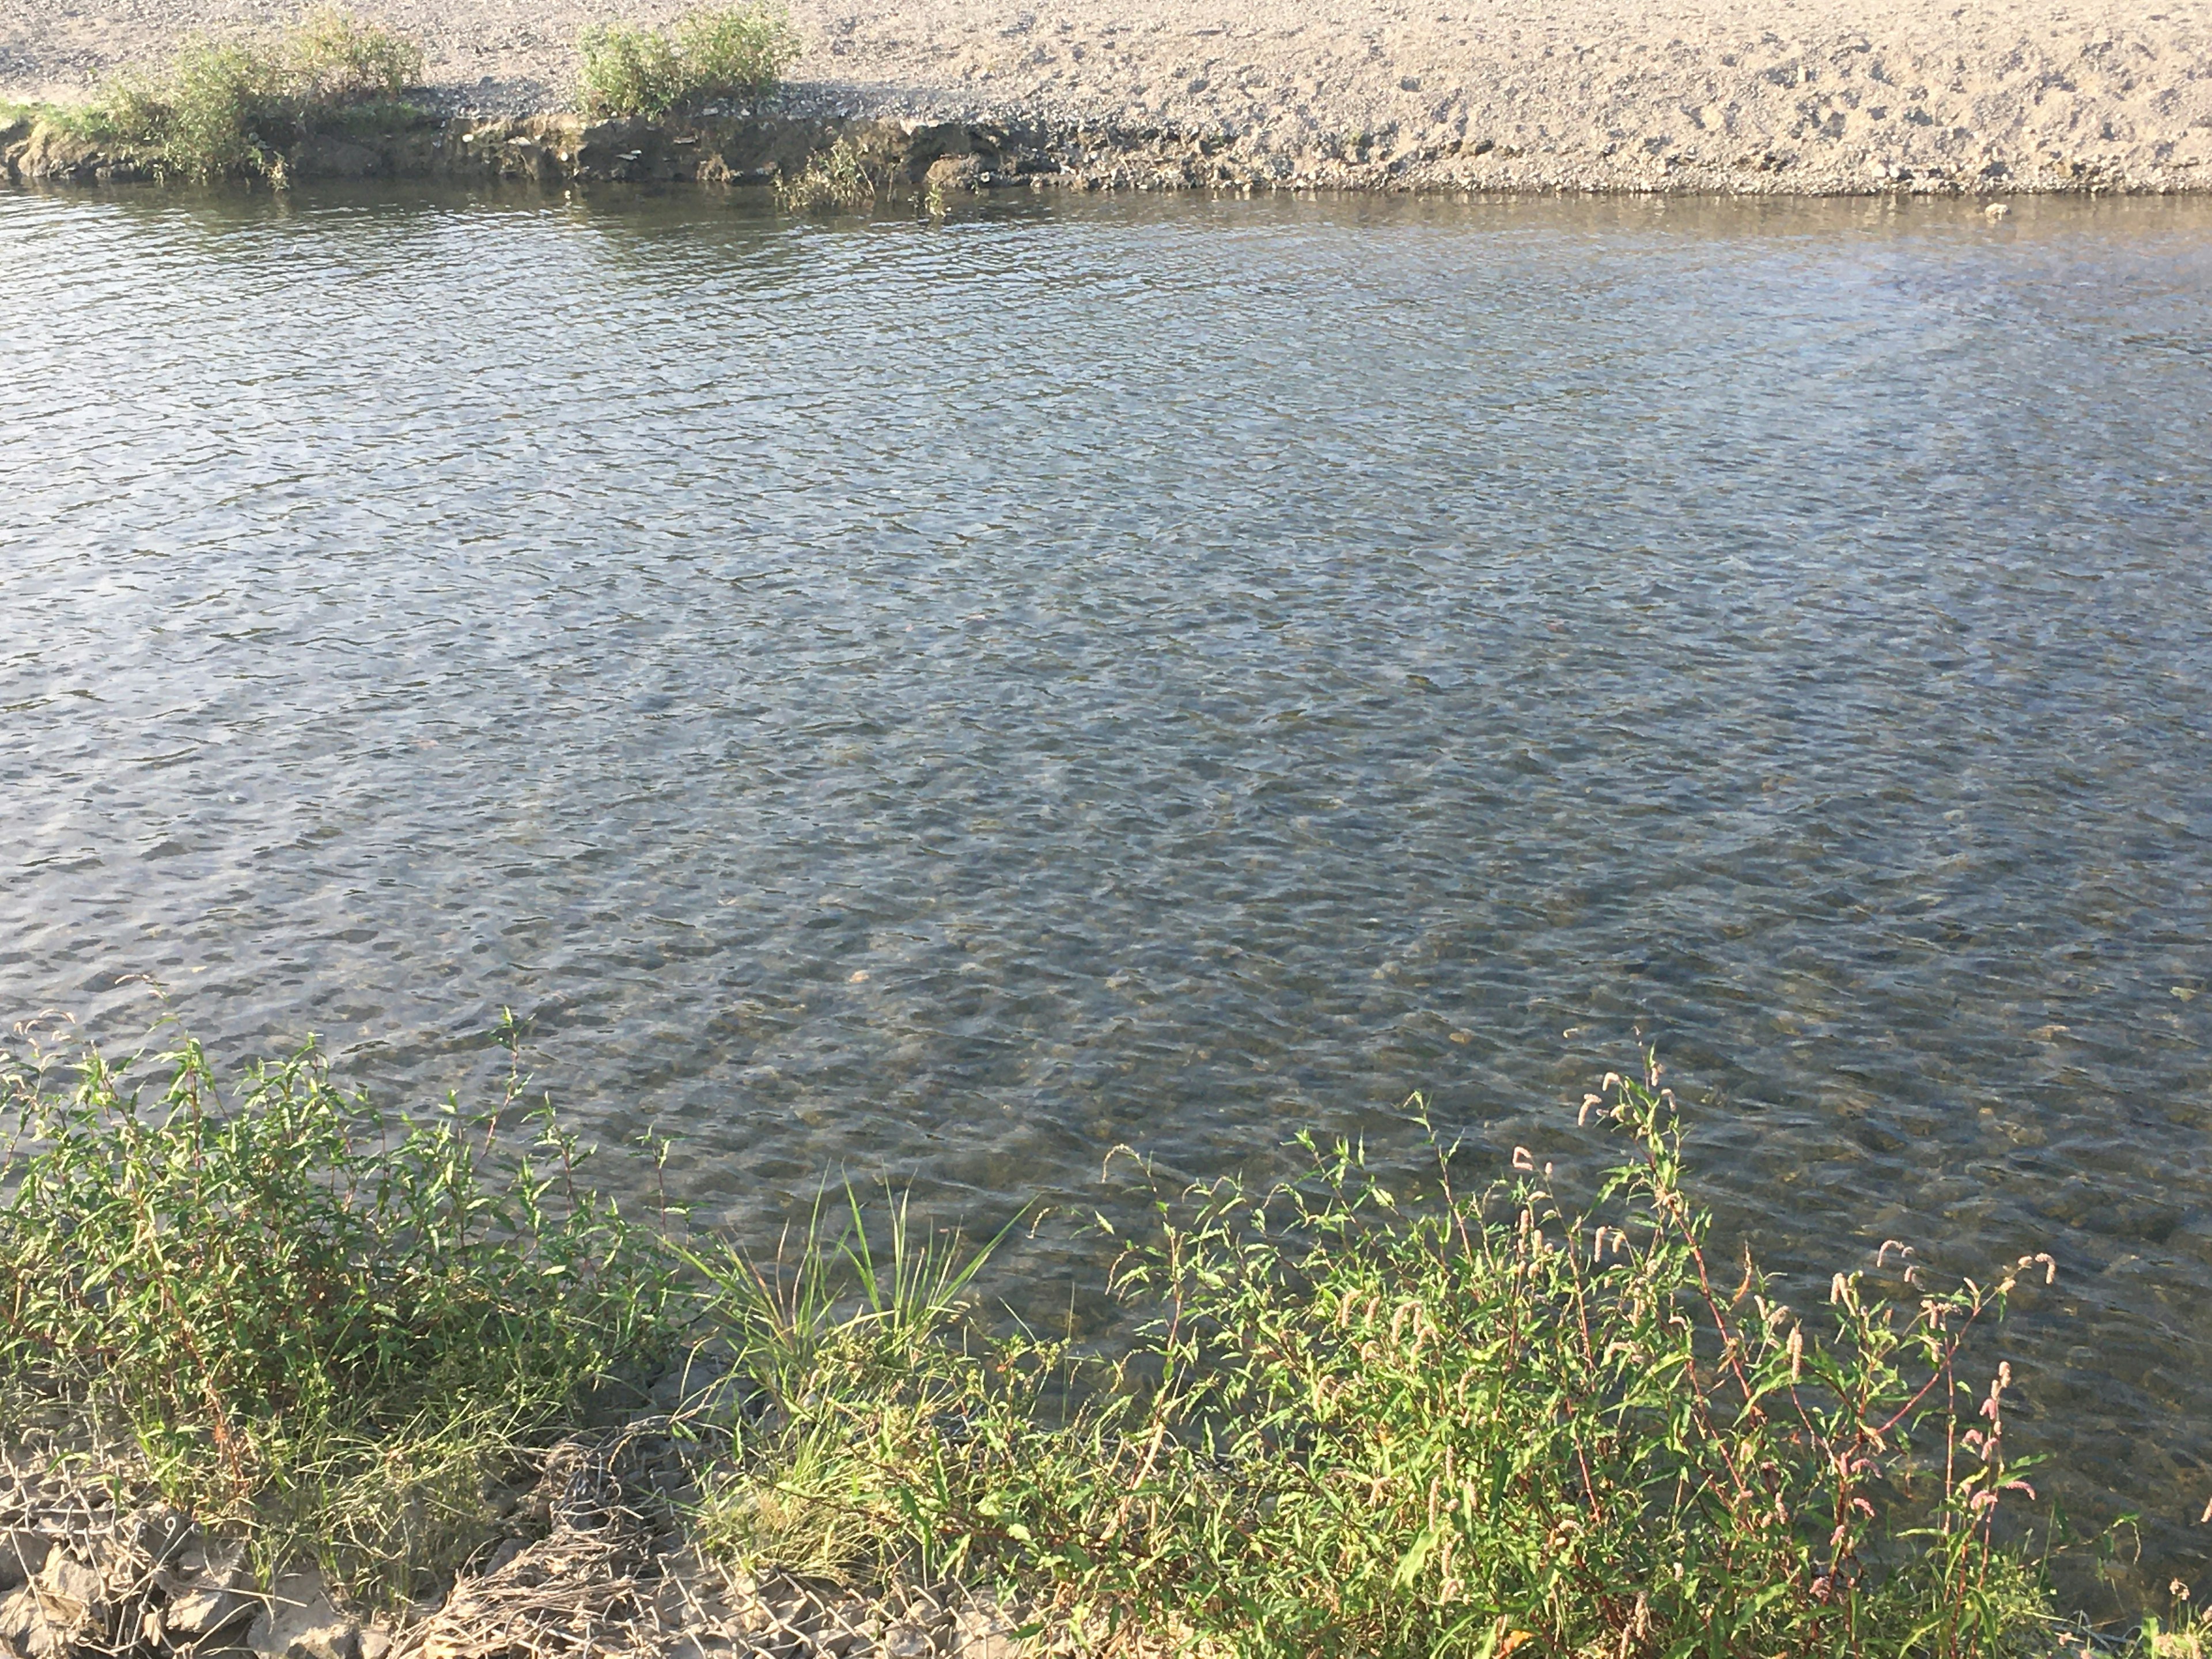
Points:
x=738, y=53
x=230, y=108
x=627, y=70
x=212, y=118
x=1365, y=1423
x=280, y=1296
x=735, y=52
x=836, y=179
x=132, y=110
x=331, y=59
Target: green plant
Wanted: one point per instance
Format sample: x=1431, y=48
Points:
x=851, y=1332
x=325, y=1322
x=2189, y=1636
x=838, y=178
x=232, y=107
x=738, y=52
x=209, y=120
x=330, y=59
x=627, y=70
x=1364, y=1423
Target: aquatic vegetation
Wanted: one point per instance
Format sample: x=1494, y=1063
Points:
x=837, y=178
x=736, y=53
x=1359, y=1417
x=231, y=107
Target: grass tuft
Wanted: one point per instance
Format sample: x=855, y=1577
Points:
x=737, y=54
x=836, y=179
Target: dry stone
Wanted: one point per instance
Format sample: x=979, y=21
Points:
x=22, y=1619
x=69, y=1590
x=301, y=1622
x=205, y=1611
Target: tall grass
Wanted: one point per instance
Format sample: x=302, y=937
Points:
x=735, y=53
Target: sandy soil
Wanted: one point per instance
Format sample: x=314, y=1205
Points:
x=1792, y=94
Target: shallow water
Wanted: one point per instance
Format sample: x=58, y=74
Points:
x=943, y=701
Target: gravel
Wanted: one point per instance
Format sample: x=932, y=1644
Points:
x=1789, y=95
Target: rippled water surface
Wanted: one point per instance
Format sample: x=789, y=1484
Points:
x=943, y=701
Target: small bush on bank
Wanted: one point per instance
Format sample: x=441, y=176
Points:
x=230, y=108
x=331, y=59
x=737, y=54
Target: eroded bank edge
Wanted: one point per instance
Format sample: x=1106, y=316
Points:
x=887, y=158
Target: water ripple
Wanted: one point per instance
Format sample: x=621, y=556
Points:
x=948, y=700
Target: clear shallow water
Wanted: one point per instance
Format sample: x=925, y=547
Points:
x=1212, y=668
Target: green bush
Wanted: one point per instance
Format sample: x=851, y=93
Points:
x=837, y=180
x=627, y=70
x=232, y=107
x=738, y=53
x=1365, y=1423
x=331, y=59
x=279, y=1296
x=212, y=120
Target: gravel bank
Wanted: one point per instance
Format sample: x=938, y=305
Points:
x=1812, y=97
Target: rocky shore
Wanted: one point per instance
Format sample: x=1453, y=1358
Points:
x=1806, y=97
x=592, y=1564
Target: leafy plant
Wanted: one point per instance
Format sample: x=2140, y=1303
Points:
x=1362, y=1424
x=627, y=70
x=280, y=1296
x=210, y=120
x=838, y=179
x=330, y=59
x=734, y=53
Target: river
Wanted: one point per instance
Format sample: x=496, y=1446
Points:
x=938, y=702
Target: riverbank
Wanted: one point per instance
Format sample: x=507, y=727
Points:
x=1693, y=96
x=282, y=1375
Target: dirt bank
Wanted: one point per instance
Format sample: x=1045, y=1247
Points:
x=1815, y=96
